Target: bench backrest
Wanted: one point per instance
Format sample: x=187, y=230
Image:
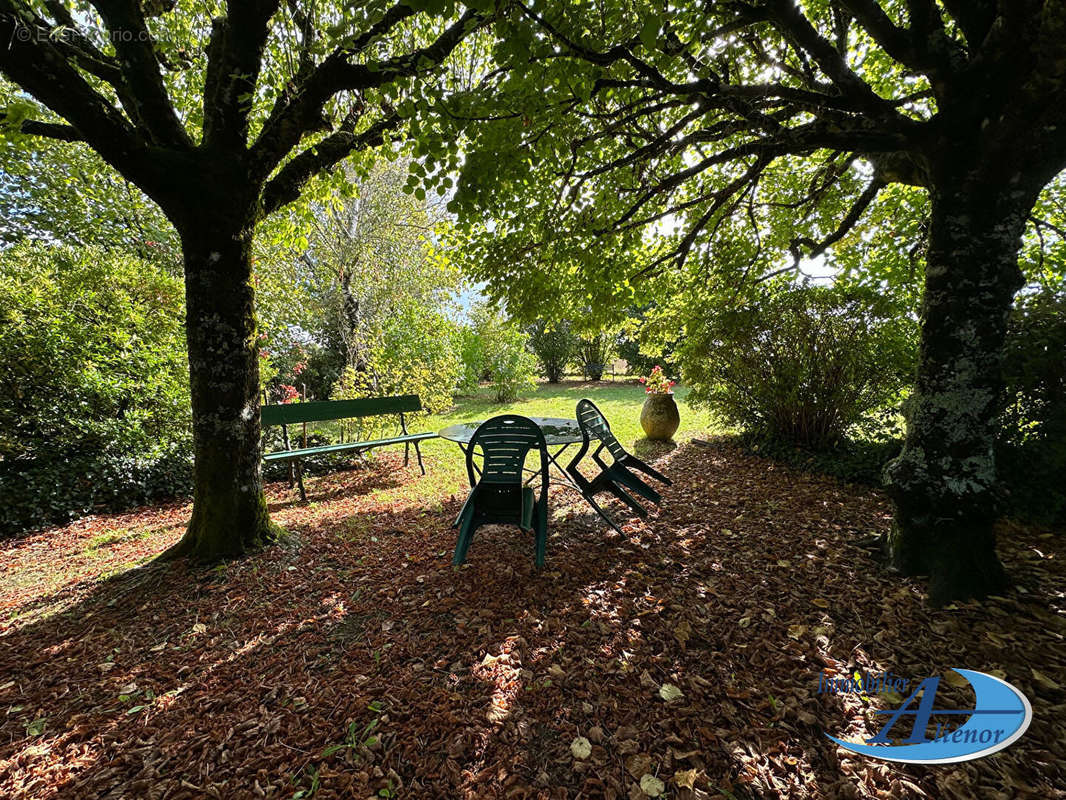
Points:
x=322, y=410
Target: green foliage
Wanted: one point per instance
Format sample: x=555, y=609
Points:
x=495, y=348
x=801, y=364
x=1032, y=442
x=95, y=411
x=472, y=358
x=640, y=348
x=417, y=353
x=554, y=345
x=65, y=193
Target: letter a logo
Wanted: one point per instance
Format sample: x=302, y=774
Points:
x=928, y=689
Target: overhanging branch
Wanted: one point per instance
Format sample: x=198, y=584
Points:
x=858, y=208
x=49, y=130
x=285, y=187
x=301, y=110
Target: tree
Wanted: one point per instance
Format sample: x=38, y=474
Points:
x=594, y=349
x=222, y=122
x=553, y=344
x=739, y=131
x=372, y=257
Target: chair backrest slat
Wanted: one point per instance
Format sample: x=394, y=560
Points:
x=324, y=410
x=505, y=441
x=595, y=425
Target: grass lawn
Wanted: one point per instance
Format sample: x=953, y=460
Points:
x=619, y=400
x=679, y=659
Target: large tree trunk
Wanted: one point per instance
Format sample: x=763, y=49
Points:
x=229, y=514
x=944, y=481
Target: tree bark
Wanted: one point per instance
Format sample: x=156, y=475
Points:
x=229, y=515
x=944, y=481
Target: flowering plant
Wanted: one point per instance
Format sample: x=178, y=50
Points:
x=289, y=394
x=657, y=383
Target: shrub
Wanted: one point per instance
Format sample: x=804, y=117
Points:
x=416, y=354
x=800, y=364
x=95, y=412
x=510, y=365
x=472, y=358
x=1032, y=440
x=554, y=345
x=495, y=349
x=594, y=350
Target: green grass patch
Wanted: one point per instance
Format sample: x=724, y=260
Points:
x=621, y=402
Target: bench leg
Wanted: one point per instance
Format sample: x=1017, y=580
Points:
x=418, y=453
x=406, y=453
x=300, y=480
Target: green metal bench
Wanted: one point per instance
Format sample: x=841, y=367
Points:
x=325, y=410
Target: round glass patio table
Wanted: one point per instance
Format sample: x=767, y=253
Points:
x=556, y=430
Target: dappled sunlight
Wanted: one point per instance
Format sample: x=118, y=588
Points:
x=352, y=656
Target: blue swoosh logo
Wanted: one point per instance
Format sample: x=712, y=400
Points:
x=994, y=700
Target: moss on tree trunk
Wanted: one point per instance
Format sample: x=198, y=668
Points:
x=944, y=481
x=229, y=515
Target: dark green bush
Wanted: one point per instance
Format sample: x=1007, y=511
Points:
x=800, y=364
x=95, y=412
x=853, y=460
x=1032, y=444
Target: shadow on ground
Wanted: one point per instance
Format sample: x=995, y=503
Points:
x=351, y=660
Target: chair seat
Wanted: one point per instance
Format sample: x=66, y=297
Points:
x=284, y=455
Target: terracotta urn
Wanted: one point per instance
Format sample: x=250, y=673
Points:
x=659, y=418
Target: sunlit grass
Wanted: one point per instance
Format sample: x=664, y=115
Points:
x=620, y=401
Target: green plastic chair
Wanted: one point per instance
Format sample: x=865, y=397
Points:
x=617, y=474
x=499, y=496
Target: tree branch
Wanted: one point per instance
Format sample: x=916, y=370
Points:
x=234, y=60
x=974, y=18
x=140, y=67
x=858, y=208
x=790, y=21
x=894, y=40
x=284, y=188
x=37, y=66
x=296, y=114
x=49, y=130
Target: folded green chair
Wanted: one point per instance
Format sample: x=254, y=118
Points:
x=619, y=473
x=499, y=496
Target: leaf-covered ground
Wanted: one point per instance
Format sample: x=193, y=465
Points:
x=680, y=659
